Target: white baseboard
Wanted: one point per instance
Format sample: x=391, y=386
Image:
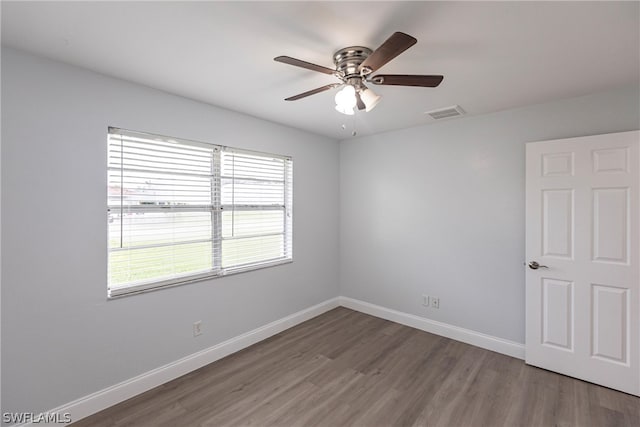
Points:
x=478, y=339
x=115, y=394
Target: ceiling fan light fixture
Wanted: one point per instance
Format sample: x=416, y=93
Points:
x=370, y=98
x=346, y=100
x=345, y=110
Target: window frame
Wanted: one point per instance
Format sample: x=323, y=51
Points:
x=216, y=208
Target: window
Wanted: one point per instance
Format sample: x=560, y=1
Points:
x=180, y=211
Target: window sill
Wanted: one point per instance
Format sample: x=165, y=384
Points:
x=134, y=289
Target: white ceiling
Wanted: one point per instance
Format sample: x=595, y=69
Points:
x=494, y=55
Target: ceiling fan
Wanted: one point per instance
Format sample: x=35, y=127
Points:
x=354, y=66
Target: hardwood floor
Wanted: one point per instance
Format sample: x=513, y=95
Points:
x=348, y=368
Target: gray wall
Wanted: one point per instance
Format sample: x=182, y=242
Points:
x=439, y=209
x=62, y=339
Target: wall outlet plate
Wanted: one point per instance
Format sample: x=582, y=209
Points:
x=197, y=328
x=425, y=300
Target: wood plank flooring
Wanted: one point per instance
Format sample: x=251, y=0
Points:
x=345, y=368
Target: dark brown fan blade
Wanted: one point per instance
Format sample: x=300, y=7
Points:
x=308, y=65
x=406, y=80
x=392, y=47
x=312, y=92
x=359, y=102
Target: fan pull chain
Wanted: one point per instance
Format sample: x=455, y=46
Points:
x=354, y=133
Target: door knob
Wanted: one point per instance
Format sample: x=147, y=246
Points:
x=534, y=265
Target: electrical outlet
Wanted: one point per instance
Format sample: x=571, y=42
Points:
x=435, y=302
x=197, y=328
x=425, y=300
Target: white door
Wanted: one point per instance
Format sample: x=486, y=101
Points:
x=582, y=228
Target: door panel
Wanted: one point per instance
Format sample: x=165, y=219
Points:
x=610, y=225
x=610, y=318
x=557, y=318
x=557, y=223
x=583, y=221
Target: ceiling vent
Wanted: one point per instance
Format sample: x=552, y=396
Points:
x=445, y=113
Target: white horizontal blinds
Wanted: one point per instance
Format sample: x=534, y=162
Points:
x=163, y=200
x=181, y=211
x=256, y=208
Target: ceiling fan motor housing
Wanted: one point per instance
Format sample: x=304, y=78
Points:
x=348, y=60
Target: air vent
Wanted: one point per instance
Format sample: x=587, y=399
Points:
x=445, y=113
